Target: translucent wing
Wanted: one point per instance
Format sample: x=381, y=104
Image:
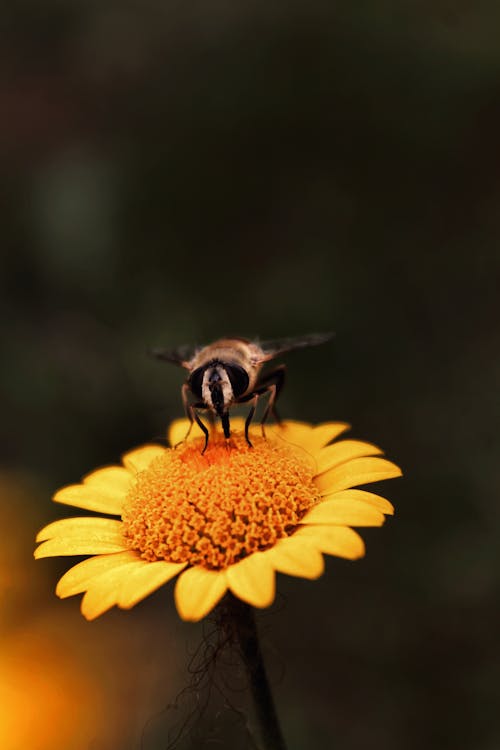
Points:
x=181, y=356
x=280, y=346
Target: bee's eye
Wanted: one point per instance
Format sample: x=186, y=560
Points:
x=238, y=378
x=196, y=381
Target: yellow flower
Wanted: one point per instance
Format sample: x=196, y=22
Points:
x=227, y=519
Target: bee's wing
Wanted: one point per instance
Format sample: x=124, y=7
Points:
x=181, y=356
x=272, y=349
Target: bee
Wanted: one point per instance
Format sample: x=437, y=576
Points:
x=228, y=372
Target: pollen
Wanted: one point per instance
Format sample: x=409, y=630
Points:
x=214, y=509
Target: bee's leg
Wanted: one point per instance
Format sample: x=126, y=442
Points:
x=195, y=417
x=187, y=410
x=272, y=390
x=250, y=417
x=211, y=421
x=271, y=383
x=192, y=415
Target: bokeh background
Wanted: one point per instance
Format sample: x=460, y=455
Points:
x=174, y=172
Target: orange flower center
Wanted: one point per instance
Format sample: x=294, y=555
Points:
x=216, y=508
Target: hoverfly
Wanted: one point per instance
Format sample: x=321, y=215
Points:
x=228, y=372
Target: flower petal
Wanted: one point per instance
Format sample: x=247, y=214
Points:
x=344, y=512
x=253, y=580
x=144, y=580
x=103, y=491
x=308, y=437
x=296, y=557
x=178, y=430
x=292, y=431
x=344, y=450
x=103, y=591
x=83, y=527
x=140, y=458
x=77, y=579
x=355, y=472
x=333, y=540
x=80, y=536
x=70, y=546
x=88, y=498
x=324, y=433
x=366, y=497
x=114, y=480
x=197, y=591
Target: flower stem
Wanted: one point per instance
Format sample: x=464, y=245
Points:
x=243, y=619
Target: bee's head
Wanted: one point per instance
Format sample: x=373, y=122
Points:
x=211, y=383
x=219, y=384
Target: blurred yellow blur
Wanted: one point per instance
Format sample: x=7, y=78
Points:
x=66, y=684
x=47, y=699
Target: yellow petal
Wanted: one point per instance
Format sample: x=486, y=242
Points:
x=77, y=579
x=140, y=458
x=86, y=527
x=178, y=430
x=366, y=497
x=81, y=528
x=145, y=579
x=325, y=433
x=238, y=425
x=80, y=536
x=253, y=580
x=344, y=450
x=333, y=540
x=103, y=490
x=344, y=512
x=88, y=498
x=71, y=546
x=255, y=429
x=291, y=431
x=197, y=591
x=308, y=437
x=355, y=472
x=296, y=557
x=103, y=591
x=113, y=480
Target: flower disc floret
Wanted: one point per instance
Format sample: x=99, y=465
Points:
x=216, y=508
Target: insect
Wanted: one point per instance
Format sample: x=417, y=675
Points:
x=228, y=372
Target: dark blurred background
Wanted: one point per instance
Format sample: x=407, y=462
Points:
x=174, y=172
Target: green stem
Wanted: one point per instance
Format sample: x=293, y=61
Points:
x=243, y=619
